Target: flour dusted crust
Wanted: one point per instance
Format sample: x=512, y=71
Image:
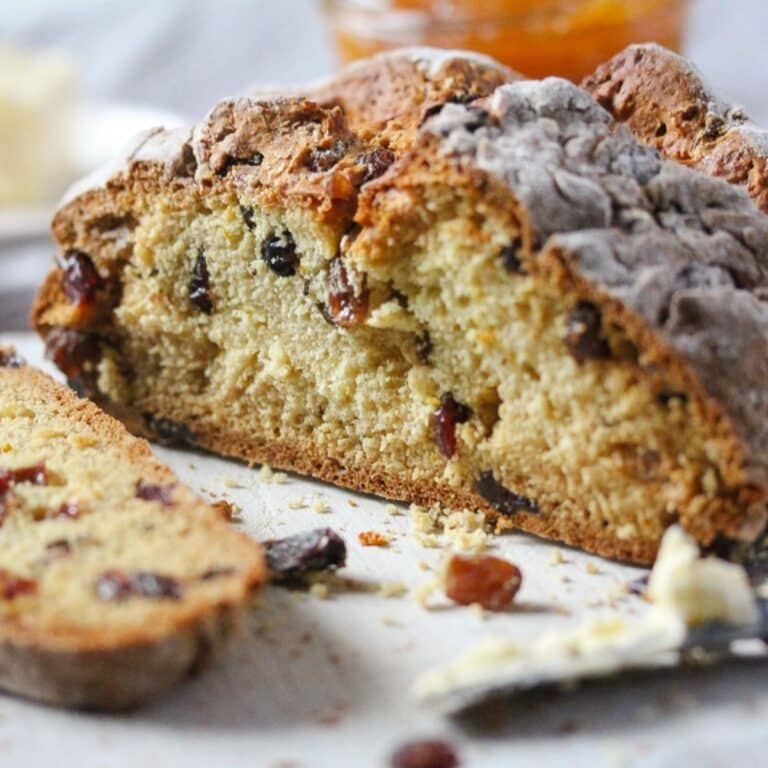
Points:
x=514, y=266
x=667, y=104
x=59, y=642
x=638, y=230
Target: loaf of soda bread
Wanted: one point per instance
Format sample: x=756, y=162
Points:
x=116, y=581
x=666, y=103
x=501, y=301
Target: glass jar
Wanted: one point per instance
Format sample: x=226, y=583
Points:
x=535, y=37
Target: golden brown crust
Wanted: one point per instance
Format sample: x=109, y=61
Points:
x=666, y=104
x=121, y=667
x=387, y=97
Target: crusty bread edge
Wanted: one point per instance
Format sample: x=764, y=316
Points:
x=120, y=678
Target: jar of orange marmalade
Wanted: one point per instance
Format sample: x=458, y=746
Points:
x=535, y=37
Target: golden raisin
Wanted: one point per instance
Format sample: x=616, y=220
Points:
x=483, y=579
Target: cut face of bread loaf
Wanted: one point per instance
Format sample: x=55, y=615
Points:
x=116, y=581
x=508, y=305
x=664, y=100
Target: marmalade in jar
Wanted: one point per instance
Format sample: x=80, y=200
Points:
x=535, y=37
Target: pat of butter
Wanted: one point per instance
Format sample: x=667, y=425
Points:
x=699, y=589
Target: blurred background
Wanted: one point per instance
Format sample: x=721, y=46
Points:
x=110, y=67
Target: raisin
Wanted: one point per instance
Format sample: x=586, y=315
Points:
x=117, y=586
x=429, y=753
x=255, y=160
x=345, y=308
x=80, y=279
x=200, y=284
x=9, y=359
x=216, y=573
x=72, y=351
x=489, y=581
x=247, y=213
x=445, y=418
x=279, y=253
x=170, y=432
x=423, y=347
x=510, y=256
x=35, y=474
x=506, y=501
x=583, y=335
x=324, y=158
x=375, y=162
x=667, y=397
x=13, y=586
x=68, y=510
x=57, y=549
x=161, y=493
x=318, y=550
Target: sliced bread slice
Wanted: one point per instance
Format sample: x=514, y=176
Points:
x=116, y=580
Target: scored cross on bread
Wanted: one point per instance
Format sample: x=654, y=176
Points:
x=500, y=301
x=116, y=581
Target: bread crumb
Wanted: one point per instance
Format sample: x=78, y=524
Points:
x=372, y=539
x=352, y=503
x=390, y=621
x=556, y=557
x=231, y=482
x=423, y=565
x=320, y=590
x=392, y=510
x=226, y=510
x=320, y=506
x=591, y=568
x=422, y=593
x=270, y=477
x=297, y=502
x=479, y=611
x=392, y=589
x=462, y=530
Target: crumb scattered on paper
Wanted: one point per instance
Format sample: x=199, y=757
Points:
x=462, y=530
x=392, y=589
x=268, y=476
x=556, y=557
x=320, y=590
